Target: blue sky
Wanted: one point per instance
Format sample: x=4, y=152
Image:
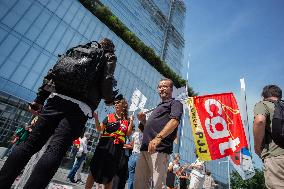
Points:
x=227, y=40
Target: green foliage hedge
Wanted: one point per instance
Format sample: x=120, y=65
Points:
x=147, y=53
x=256, y=182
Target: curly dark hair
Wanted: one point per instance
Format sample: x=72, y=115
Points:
x=271, y=91
x=107, y=45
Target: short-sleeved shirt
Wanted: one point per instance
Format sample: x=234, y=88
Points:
x=270, y=149
x=175, y=167
x=198, y=172
x=208, y=182
x=161, y=115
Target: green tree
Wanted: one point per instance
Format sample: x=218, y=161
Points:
x=256, y=182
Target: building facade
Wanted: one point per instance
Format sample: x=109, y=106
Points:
x=34, y=32
x=158, y=23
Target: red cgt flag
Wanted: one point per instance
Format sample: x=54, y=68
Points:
x=216, y=125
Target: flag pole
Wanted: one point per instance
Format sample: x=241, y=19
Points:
x=245, y=110
x=183, y=117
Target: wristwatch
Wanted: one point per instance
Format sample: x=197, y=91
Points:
x=159, y=136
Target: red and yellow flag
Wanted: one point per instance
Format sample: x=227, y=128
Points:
x=216, y=125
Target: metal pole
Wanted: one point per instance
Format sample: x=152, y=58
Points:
x=229, y=179
x=245, y=110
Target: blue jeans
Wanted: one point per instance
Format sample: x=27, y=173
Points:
x=76, y=166
x=131, y=168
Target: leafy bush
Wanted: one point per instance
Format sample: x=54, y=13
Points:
x=256, y=182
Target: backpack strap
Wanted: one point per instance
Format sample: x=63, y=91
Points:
x=267, y=128
x=278, y=104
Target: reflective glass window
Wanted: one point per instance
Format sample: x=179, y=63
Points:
x=70, y=13
x=76, y=40
x=61, y=48
x=63, y=8
x=40, y=63
x=105, y=32
x=19, y=51
x=8, y=68
x=11, y=19
x=51, y=45
x=37, y=84
x=133, y=64
x=9, y=4
x=8, y=45
x=22, y=26
x=49, y=65
x=67, y=37
x=53, y=4
x=137, y=65
x=19, y=74
x=33, y=33
x=78, y=18
x=47, y=32
x=84, y=24
x=21, y=7
x=90, y=29
x=44, y=2
x=141, y=70
x=42, y=19
x=31, y=79
x=60, y=30
x=97, y=31
x=30, y=58
x=127, y=62
x=117, y=72
x=66, y=4
x=3, y=35
x=3, y=10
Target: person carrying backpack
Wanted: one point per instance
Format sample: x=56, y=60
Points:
x=73, y=88
x=268, y=131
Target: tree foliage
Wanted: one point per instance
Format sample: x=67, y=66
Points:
x=256, y=182
x=110, y=20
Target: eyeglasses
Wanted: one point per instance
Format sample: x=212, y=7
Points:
x=163, y=87
x=117, y=102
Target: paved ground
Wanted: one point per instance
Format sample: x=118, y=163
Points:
x=59, y=180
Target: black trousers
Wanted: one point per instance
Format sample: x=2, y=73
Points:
x=61, y=119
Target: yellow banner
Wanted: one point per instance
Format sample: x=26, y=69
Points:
x=201, y=145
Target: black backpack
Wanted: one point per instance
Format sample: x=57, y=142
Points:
x=77, y=70
x=277, y=132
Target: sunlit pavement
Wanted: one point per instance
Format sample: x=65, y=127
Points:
x=59, y=180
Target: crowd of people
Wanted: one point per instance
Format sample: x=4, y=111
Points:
x=142, y=157
x=188, y=176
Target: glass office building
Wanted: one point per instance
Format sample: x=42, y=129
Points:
x=34, y=32
x=158, y=23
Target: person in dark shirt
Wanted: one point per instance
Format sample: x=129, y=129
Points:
x=159, y=133
x=63, y=117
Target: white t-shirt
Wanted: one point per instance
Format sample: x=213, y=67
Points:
x=136, y=137
x=83, y=145
x=175, y=167
x=199, y=172
x=83, y=106
x=208, y=182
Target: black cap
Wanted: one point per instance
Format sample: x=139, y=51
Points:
x=118, y=97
